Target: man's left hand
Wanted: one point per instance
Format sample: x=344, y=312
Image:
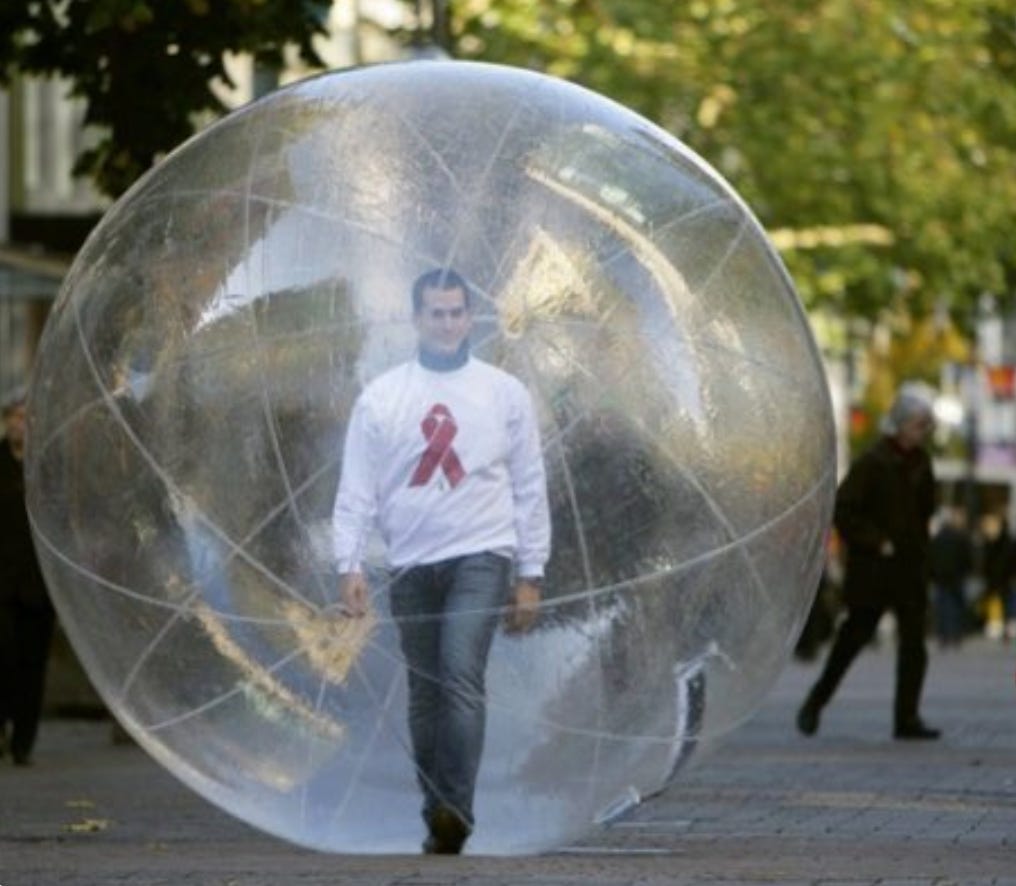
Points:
x=525, y=607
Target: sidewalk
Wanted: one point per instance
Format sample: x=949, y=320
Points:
x=849, y=806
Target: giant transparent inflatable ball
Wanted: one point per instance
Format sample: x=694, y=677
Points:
x=195, y=383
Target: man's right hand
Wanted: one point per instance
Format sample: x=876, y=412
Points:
x=354, y=595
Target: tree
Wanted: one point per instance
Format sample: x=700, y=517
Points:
x=146, y=68
x=893, y=117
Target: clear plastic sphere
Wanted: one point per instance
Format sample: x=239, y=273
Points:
x=191, y=398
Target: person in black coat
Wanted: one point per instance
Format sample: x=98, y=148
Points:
x=998, y=568
x=951, y=562
x=883, y=508
x=26, y=614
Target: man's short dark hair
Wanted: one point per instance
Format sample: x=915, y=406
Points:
x=441, y=279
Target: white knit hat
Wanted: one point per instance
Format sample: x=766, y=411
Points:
x=913, y=398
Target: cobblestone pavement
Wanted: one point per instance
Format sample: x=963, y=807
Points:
x=849, y=806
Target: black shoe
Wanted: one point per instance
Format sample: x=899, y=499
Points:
x=807, y=719
x=916, y=730
x=448, y=832
x=22, y=760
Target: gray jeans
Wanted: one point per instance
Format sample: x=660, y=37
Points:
x=447, y=613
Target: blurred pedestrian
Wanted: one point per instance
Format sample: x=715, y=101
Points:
x=883, y=509
x=998, y=567
x=26, y=615
x=951, y=562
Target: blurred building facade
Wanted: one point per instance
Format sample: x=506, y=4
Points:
x=977, y=406
x=45, y=212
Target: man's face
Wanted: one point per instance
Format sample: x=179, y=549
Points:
x=914, y=431
x=14, y=426
x=443, y=321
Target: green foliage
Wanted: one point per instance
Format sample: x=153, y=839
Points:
x=145, y=67
x=893, y=115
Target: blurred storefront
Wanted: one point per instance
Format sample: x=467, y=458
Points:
x=977, y=407
x=27, y=288
x=45, y=213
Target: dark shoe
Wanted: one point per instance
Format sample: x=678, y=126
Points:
x=22, y=760
x=916, y=730
x=807, y=719
x=448, y=832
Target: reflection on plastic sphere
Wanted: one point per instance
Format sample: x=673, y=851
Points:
x=194, y=386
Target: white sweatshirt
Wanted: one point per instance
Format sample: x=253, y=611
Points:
x=445, y=464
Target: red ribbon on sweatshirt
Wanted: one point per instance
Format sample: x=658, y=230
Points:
x=439, y=429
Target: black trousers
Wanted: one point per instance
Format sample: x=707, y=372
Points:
x=856, y=631
x=25, y=636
